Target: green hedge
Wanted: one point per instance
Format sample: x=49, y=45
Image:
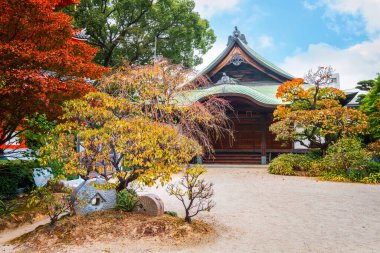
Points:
x=345, y=161
x=296, y=164
x=15, y=174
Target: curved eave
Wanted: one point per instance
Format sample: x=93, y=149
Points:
x=231, y=90
x=257, y=57
x=349, y=97
x=251, y=53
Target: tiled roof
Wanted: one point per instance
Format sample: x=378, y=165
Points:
x=264, y=95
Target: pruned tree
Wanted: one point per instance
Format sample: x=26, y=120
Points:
x=314, y=116
x=54, y=199
x=112, y=139
x=193, y=192
x=364, y=85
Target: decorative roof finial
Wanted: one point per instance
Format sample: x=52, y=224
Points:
x=235, y=36
x=236, y=32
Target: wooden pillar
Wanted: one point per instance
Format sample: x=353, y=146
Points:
x=263, y=128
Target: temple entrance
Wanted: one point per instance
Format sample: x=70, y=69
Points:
x=252, y=142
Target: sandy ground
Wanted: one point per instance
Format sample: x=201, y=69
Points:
x=258, y=212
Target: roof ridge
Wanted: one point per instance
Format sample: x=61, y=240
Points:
x=264, y=60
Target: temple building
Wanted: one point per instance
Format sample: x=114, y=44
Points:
x=249, y=82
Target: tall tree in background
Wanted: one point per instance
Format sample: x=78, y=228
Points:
x=128, y=29
x=40, y=65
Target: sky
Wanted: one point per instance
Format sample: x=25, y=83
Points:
x=298, y=35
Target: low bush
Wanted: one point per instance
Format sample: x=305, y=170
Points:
x=345, y=161
x=295, y=164
x=7, y=207
x=171, y=213
x=347, y=156
x=127, y=199
x=54, y=199
x=15, y=174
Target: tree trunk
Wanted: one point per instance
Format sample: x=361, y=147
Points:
x=107, y=58
x=123, y=182
x=187, y=219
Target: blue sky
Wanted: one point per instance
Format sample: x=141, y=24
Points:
x=298, y=34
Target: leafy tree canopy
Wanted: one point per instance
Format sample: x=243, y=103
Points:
x=128, y=29
x=141, y=126
x=364, y=85
x=370, y=105
x=40, y=65
x=160, y=92
x=115, y=139
x=314, y=116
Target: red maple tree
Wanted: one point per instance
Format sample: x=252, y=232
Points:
x=40, y=65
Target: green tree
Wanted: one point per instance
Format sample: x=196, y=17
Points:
x=364, y=85
x=370, y=105
x=128, y=29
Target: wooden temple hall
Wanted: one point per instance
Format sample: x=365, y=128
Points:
x=250, y=83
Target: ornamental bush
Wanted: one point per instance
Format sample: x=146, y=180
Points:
x=295, y=164
x=127, y=199
x=15, y=174
x=347, y=156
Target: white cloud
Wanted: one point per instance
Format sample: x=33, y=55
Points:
x=359, y=62
x=311, y=5
x=369, y=10
x=208, y=8
x=265, y=41
x=355, y=63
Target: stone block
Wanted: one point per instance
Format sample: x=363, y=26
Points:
x=150, y=204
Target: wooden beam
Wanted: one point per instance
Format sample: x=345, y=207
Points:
x=263, y=127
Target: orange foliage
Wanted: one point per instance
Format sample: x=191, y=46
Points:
x=40, y=66
x=314, y=117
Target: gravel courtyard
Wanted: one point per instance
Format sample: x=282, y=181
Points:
x=259, y=212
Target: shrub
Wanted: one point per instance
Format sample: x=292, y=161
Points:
x=347, y=156
x=7, y=207
x=372, y=178
x=15, y=174
x=293, y=164
x=126, y=200
x=54, y=203
x=282, y=165
x=194, y=193
x=171, y=213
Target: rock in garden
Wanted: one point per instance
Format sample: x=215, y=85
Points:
x=87, y=198
x=41, y=176
x=150, y=204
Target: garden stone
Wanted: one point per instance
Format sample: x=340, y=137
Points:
x=149, y=204
x=41, y=176
x=88, y=199
x=73, y=184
